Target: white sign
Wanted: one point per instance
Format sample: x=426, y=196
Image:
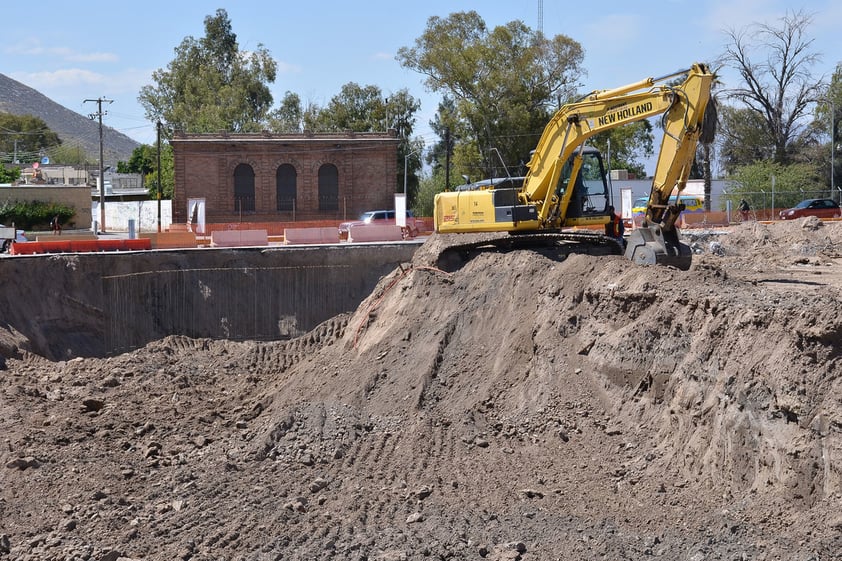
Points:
x=400, y=210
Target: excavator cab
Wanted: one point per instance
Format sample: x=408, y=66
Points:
x=589, y=197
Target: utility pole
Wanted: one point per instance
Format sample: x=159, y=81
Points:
x=99, y=113
x=447, y=159
x=159, y=176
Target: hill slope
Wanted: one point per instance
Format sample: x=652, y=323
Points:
x=71, y=127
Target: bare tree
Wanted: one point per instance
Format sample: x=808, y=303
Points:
x=778, y=84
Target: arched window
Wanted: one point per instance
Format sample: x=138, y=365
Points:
x=285, y=187
x=328, y=187
x=243, y=188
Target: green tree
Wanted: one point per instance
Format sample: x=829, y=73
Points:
x=829, y=106
x=791, y=184
x=289, y=116
x=777, y=86
x=827, y=120
x=503, y=83
x=627, y=144
x=211, y=85
x=29, y=215
x=9, y=175
x=25, y=138
x=144, y=160
x=167, y=174
x=428, y=187
x=356, y=108
x=70, y=155
x=455, y=139
x=365, y=109
x=741, y=138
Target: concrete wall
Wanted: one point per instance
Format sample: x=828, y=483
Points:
x=144, y=213
x=76, y=196
x=63, y=306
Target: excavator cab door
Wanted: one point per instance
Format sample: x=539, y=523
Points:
x=589, y=196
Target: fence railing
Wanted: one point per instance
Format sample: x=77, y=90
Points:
x=768, y=203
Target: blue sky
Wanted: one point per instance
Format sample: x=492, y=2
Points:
x=72, y=51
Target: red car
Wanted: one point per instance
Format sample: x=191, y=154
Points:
x=820, y=208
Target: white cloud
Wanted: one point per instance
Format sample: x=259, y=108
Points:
x=383, y=56
x=92, y=57
x=288, y=68
x=66, y=77
x=69, y=84
x=724, y=15
x=33, y=47
x=615, y=29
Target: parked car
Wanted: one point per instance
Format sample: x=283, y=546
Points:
x=380, y=217
x=692, y=204
x=6, y=238
x=820, y=208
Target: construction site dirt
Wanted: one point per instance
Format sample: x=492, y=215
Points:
x=519, y=406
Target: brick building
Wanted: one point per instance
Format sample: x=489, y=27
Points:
x=264, y=177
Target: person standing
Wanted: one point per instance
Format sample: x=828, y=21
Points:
x=745, y=210
x=56, y=225
x=615, y=228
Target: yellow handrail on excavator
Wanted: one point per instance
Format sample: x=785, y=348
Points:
x=555, y=194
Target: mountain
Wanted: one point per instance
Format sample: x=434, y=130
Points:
x=71, y=127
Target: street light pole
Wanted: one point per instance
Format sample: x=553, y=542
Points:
x=832, y=146
x=829, y=101
x=405, y=160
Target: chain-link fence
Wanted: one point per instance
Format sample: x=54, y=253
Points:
x=765, y=205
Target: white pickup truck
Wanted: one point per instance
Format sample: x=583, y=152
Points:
x=9, y=235
x=413, y=225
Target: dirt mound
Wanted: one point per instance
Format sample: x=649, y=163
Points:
x=523, y=406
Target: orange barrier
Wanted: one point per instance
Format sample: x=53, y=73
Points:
x=311, y=235
x=239, y=238
x=138, y=244
x=79, y=246
x=424, y=225
x=26, y=248
x=82, y=246
x=111, y=245
x=171, y=239
x=374, y=233
x=56, y=246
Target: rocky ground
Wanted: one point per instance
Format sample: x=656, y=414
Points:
x=523, y=406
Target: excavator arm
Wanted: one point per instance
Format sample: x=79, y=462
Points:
x=548, y=201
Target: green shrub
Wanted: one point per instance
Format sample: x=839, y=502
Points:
x=33, y=215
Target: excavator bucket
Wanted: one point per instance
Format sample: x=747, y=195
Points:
x=652, y=245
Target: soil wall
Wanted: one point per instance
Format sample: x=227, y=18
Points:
x=72, y=305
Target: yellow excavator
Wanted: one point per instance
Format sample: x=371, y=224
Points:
x=566, y=185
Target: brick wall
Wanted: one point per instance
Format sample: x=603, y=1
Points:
x=366, y=164
x=76, y=196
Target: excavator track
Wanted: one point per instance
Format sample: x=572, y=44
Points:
x=555, y=245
